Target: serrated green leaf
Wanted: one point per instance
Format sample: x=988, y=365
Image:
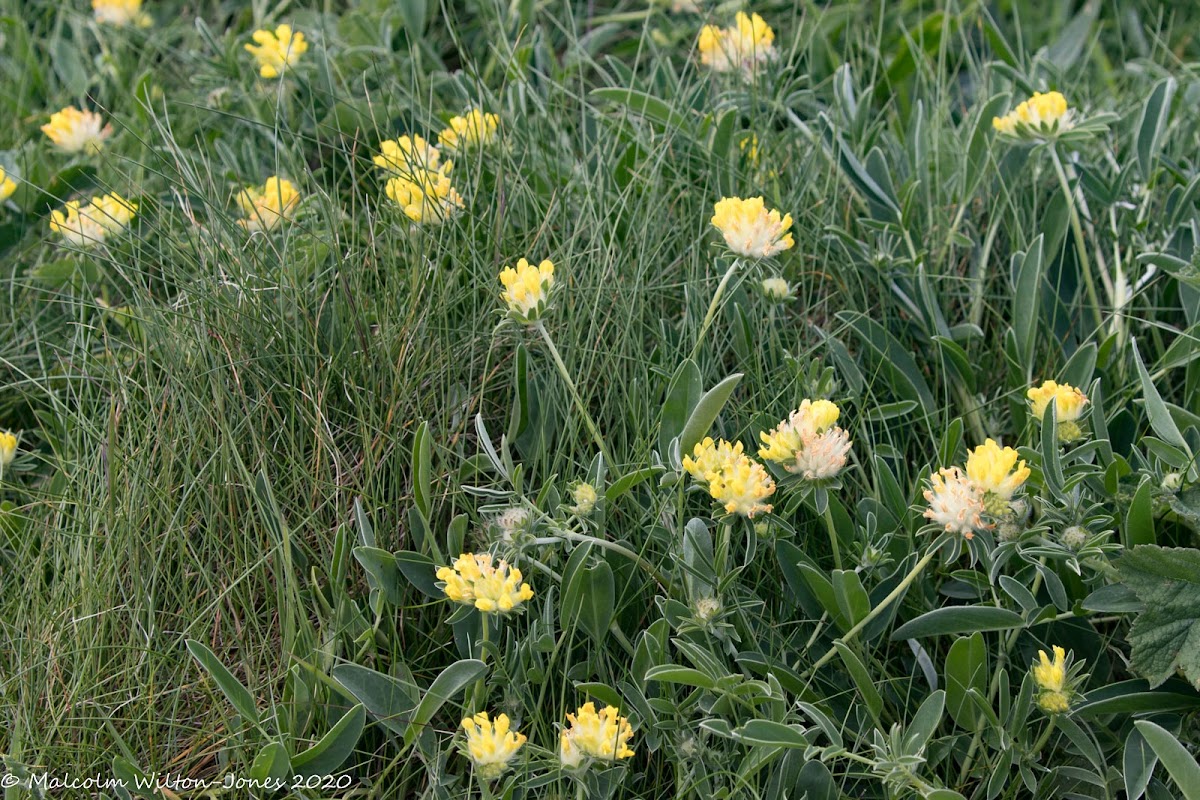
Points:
x=1166, y=635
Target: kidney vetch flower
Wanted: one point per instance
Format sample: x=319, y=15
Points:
x=277, y=50
x=746, y=45
x=1056, y=681
x=1069, y=404
x=1039, y=116
x=736, y=481
x=603, y=736
x=955, y=503
x=410, y=156
x=473, y=129
x=777, y=289
x=426, y=197
x=750, y=229
x=7, y=185
x=491, y=745
x=120, y=13
x=492, y=588
x=266, y=206
x=74, y=131
x=8, y=448
x=998, y=472
x=527, y=290
x=91, y=223
x=808, y=443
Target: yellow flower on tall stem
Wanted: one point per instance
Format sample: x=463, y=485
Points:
x=276, y=50
x=527, y=290
x=1069, y=405
x=74, y=131
x=745, y=46
x=602, y=735
x=750, y=229
x=491, y=744
x=92, y=223
x=266, y=206
x=1040, y=116
x=493, y=587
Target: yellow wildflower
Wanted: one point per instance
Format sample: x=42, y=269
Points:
x=808, y=442
x=995, y=470
x=277, y=50
x=411, y=156
x=527, y=290
x=120, y=13
x=266, y=206
x=74, y=131
x=777, y=289
x=585, y=497
x=1069, y=405
x=742, y=486
x=490, y=744
x=750, y=229
x=492, y=588
x=955, y=503
x=745, y=46
x=426, y=197
x=92, y=223
x=710, y=458
x=603, y=736
x=8, y=448
x=1041, y=114
x=473, y=129
x=1052, y=679
x=7, y=185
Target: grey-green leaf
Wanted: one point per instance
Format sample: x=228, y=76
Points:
x=958, y=619
x=239, y=696
x=332, y=750
x=705, y=413
x=1174, y=756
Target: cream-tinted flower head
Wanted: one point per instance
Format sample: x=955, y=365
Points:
x=474, y=580
x=709, y=458
x=742, y=486
x=120, y=13
x=277, y=50
x=996, y=470
x=1054, y=680
x=808, y=443
x=76, y=131
x=750, y=229
x=473, y=129
x=511, y=523
x=411, y=156
x=1040, y=116
x=426, y=197
x=7, y=185
x=955, y=503
x=777, y=289
x=91, y=223
x=1069, y=404
x=585, y=497
x=744, y=46
x=266, y=206
x=491, y=745
x=823, y=456
x=8, y=448
x=527, y=290
x=603, y=736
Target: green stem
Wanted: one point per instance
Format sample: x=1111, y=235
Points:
x=566, y=376
x=833, y=537
x=895, y=595
x=616, y=548
x=715, y=304
x=480, y=696
x=1045, y=737
x=1085, y=263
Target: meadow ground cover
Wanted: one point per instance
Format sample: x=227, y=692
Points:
x=403, y=399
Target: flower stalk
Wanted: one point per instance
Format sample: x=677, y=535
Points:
x=579, y=406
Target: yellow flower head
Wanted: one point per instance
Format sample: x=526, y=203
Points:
x=585, y=497
x=808, y=442
x=1052, y=679
x=745, y=46
x=473, y=129
x=120, y=13
x=527, y=290
x=750, y=229
x=490, y=744
x=1069, y=405
x=777, y=289
x=264, y=207
x=277, y=50
x=426, y=197
x=955, y=503
x=74, y=131
x=7, y=185
x=1042, y=114
x=411, y=156
x=492, y=588
x=603, y=736
x=8, y=448
x=709, y=458
x=742, y=487
x=996, y=470
x=92, y=223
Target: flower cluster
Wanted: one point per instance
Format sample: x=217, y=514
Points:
x=1041, y=116
x=585, y=497
x=1056, y=681
x=602, y=736
x=777, y=289
x=120, y=13
x=493, y=588
x=751, y=230
x=527, y=290
x=419, y=180
x=490, y=744
x=745, y=46
x=91, y=223
x=265, y=207
x=962, y=501
x=1069, y=404
x=277, y=50
x=8, y=448
x=7, y=185
x=808, y=443
x=473, y=129
x=736, y=481
x=74, y=131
